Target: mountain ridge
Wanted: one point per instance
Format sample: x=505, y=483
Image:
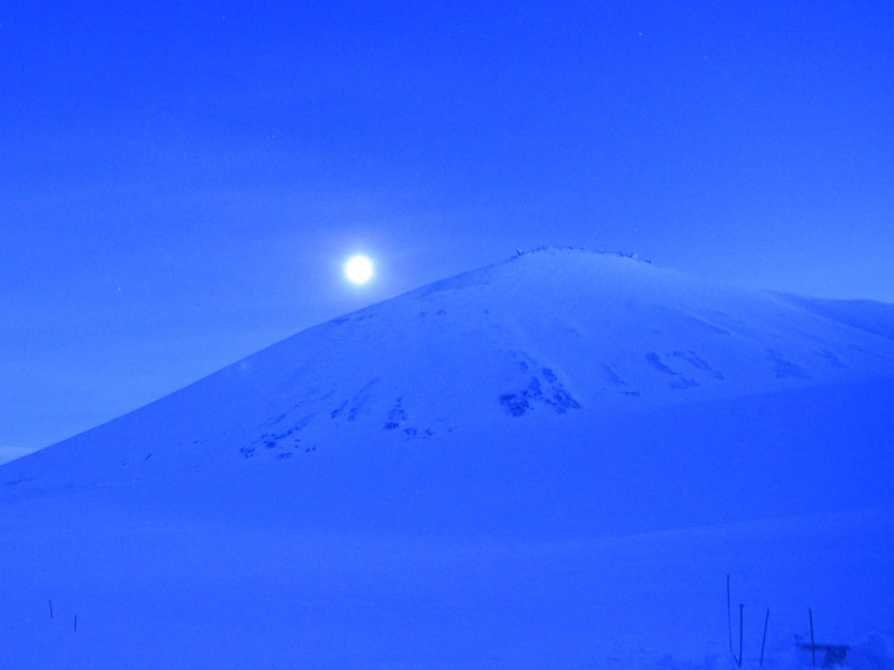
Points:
x=551, y=462
x=554, y=332
x=673, y=316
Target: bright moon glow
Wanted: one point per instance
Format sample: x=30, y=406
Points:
x=359, y=269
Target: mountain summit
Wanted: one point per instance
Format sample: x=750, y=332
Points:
x=546, y=334
x=548, y=462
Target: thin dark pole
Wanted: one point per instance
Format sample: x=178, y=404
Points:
x=741, y=611
x=51, y=609
x=812, y=638
x=764, y=639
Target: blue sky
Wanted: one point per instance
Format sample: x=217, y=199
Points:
x=179, y=183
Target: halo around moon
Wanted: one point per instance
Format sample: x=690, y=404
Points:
x=359, y=269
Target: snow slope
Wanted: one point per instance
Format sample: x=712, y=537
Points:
x=549, y=462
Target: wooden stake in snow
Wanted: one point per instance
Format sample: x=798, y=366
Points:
x=834, y=655
x=729, y=625
x=812, y=638
x=51, y=609
x=764, y=639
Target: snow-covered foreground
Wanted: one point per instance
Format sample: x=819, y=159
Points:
x=174, y=595
x=550, y=463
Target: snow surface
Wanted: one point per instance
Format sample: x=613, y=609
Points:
x=552, y=462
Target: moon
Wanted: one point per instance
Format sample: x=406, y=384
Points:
x=359, y=269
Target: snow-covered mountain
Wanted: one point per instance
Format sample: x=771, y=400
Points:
x=548, y=462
